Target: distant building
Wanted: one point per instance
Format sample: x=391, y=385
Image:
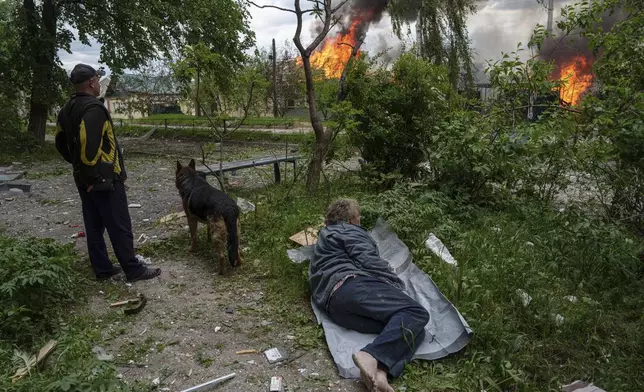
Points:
x=136, y=96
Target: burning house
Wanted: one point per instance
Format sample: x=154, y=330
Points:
x=336, y=50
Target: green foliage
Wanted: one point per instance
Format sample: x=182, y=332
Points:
x=443, y=28
x=130, y=33
x=38, y=277
x=39, y=283
x=614, y=120
x=547, y=253
x=400, y=110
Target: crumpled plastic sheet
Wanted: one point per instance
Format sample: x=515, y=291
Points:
x=447, y=332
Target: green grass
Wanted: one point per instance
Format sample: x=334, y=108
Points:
x=42, y=297
x=549, y=254
x=182, y=119
x=31, y=154
x=513, y=347
x=202, y=134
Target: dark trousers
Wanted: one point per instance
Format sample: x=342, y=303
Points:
x=369, y=305
x=109, y=210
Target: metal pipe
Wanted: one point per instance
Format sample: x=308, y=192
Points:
x=210, y=383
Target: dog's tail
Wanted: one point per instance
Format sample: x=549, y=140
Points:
x=232, y=227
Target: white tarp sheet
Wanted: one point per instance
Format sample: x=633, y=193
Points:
x=446, y=333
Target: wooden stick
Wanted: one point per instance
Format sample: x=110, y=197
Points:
x=35, y=360
x=241, y=352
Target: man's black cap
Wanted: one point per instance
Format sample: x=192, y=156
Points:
x=83, y=72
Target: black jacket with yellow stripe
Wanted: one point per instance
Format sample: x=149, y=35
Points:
x=85, y=138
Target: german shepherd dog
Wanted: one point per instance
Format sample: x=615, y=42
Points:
x=204, y=203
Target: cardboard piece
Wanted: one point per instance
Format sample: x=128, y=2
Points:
x=308, y=236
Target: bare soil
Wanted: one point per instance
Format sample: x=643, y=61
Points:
x=195, y=321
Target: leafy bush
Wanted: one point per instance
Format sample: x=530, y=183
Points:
x=37, y=277
x=400, y=111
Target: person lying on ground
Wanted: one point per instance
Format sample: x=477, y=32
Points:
x=360, y=291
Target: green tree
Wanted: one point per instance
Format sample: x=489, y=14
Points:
x=11, y=80
x=131, y=32
x=327, y=14
x=442, y=24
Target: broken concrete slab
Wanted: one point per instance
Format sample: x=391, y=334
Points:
x=11, y=176
x=6, y=187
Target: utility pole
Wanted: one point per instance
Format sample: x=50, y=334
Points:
x=419, y=36
x=275, y=113
x=551, y=7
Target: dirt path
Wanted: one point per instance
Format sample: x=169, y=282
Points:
x=195, y=320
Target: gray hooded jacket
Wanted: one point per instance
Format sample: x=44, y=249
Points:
x=345, y=249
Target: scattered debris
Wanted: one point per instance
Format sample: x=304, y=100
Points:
x=101, y=355
x=144, y=260
x=435, y=245
x=148, y=135
x=135, y=304
x=290, y=337
x=242, y=352
x=210, y=383
x=308, y=236
x=559, y=319
x=525, y=297
x=277, y=384
x=80, y=234
x=134, y=205
x=245, y=206
x=572, y=298
x=300, y=255
x=172, y=217
x=580, y=386
x=251, y=362
x=217, y=329
x=274, y=355
x=156, y=381
x=143, y=238
x=15, y=192
x=265, y=323
x=10, y=176
x=230, y=309
x=34, y=360
x=528, y=243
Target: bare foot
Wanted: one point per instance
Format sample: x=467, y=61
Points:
x=368, y=368
x=382, y=384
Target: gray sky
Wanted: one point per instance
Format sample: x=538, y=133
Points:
x=497, y=26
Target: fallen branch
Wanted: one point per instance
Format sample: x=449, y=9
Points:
x=34, y=361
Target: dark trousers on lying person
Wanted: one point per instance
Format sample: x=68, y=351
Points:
x=369, y=305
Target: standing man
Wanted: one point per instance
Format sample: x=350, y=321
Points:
x=360, y=291
x=85, y=138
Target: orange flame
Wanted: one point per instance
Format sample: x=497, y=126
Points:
x=335, y=52
x=576, y=77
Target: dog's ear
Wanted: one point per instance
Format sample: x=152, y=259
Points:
x=192, y=163
x=179, y=166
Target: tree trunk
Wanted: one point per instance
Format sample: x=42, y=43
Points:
x=322, y=137
x=38, y=120
x=41, y=46
x=198, y=107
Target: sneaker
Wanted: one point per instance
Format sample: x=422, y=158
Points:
x=115, y=271
x=148, y=273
